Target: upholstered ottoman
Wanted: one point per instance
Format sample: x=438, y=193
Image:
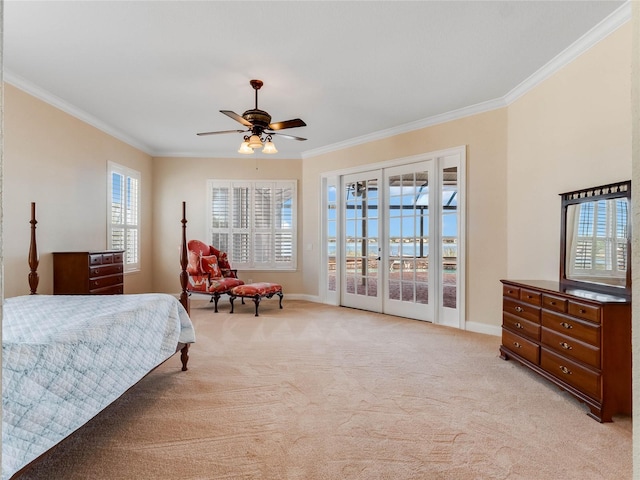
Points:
x=255, y=291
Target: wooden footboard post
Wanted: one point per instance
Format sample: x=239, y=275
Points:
x=184, y=261
x=33, y=253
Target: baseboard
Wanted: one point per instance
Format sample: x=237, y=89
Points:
x=476, y=327
x=302, y=296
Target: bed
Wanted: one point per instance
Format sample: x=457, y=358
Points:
x=65, y=358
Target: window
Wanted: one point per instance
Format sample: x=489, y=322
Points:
x=123, y=213
x=254, y=222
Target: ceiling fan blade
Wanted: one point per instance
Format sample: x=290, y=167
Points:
x=296, y=122
x=237, y=117
x=222, y=131
x=290, y=137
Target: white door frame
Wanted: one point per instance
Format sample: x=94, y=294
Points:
x=443, y=158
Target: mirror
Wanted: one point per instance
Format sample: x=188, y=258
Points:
x=596, y=239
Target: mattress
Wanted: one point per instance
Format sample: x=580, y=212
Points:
x=66, y=358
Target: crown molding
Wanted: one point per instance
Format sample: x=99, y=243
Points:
x=409, y=127
x=602, y=30
x=72, y=110
x=598, y=33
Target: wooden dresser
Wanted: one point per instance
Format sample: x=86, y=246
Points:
x=97, y=272
x=578, y=339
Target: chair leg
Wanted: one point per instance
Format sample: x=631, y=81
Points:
x=215, y=298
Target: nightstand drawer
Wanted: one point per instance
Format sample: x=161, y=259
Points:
x=103, y=270
x=521, y=346
x=102, y=282
x=582, y=378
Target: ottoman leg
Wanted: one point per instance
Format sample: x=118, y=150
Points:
x=280, y=295
x=231, y=299
x=256, y=300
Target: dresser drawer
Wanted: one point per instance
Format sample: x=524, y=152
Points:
x=522, y=310
x=95, y=259
x=578, y=329
x=552, y=302
x=579, y=377
x=102, y=282
x=521, y=346
x=511, y=291
x=576, y=349
x=587, y=312
x=521, y=326
x=112, y=290
x=105, y=270
x=118, y=257
x=530, y=296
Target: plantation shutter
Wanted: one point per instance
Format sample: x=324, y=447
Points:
x=259, y=218
x=123, y=227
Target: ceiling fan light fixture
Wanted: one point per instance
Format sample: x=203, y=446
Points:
x=245, y=148
x=269, y=147
x=255, y=142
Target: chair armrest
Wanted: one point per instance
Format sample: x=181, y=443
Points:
x=229, y=272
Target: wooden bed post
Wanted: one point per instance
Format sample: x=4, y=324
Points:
x=33, y=253
x=184, y=261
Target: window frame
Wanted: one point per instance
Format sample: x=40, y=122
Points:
x=235, y=225
x=127, y=173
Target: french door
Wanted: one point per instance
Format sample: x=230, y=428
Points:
x=395, y=239
x=361, y=248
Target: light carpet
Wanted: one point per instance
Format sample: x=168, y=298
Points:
x=319, y=392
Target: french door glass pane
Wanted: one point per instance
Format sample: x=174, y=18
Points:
x=361, y=238
x=449, y=237
x=332, y=237
x=408, y=237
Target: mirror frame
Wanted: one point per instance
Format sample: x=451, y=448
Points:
x=612, y=190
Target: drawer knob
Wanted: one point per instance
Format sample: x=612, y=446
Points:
x=519, y=309
x=582, y=310
x=552, y=302
x=518, y=325
x=517, y=345
x=509, y=291
x=566, y=325
x=566, y=346
x=565, y=370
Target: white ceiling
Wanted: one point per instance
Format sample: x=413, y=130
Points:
x=154, y=73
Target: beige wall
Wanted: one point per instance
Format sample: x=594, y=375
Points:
x=573, y=131
x=185, y=179
x=485, y=138
x=60, y=163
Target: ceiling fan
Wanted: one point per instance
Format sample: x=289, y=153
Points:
x=258, y=122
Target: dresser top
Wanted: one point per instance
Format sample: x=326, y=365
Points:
x=89, y=252
x=555, y=287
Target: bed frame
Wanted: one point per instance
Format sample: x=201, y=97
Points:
x=33, y=285
x=184, y=276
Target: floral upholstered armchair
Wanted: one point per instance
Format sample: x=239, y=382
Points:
x=209, y=271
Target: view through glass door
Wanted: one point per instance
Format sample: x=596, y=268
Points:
x=410, y=284
x=361, y=245
x=395, y=238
